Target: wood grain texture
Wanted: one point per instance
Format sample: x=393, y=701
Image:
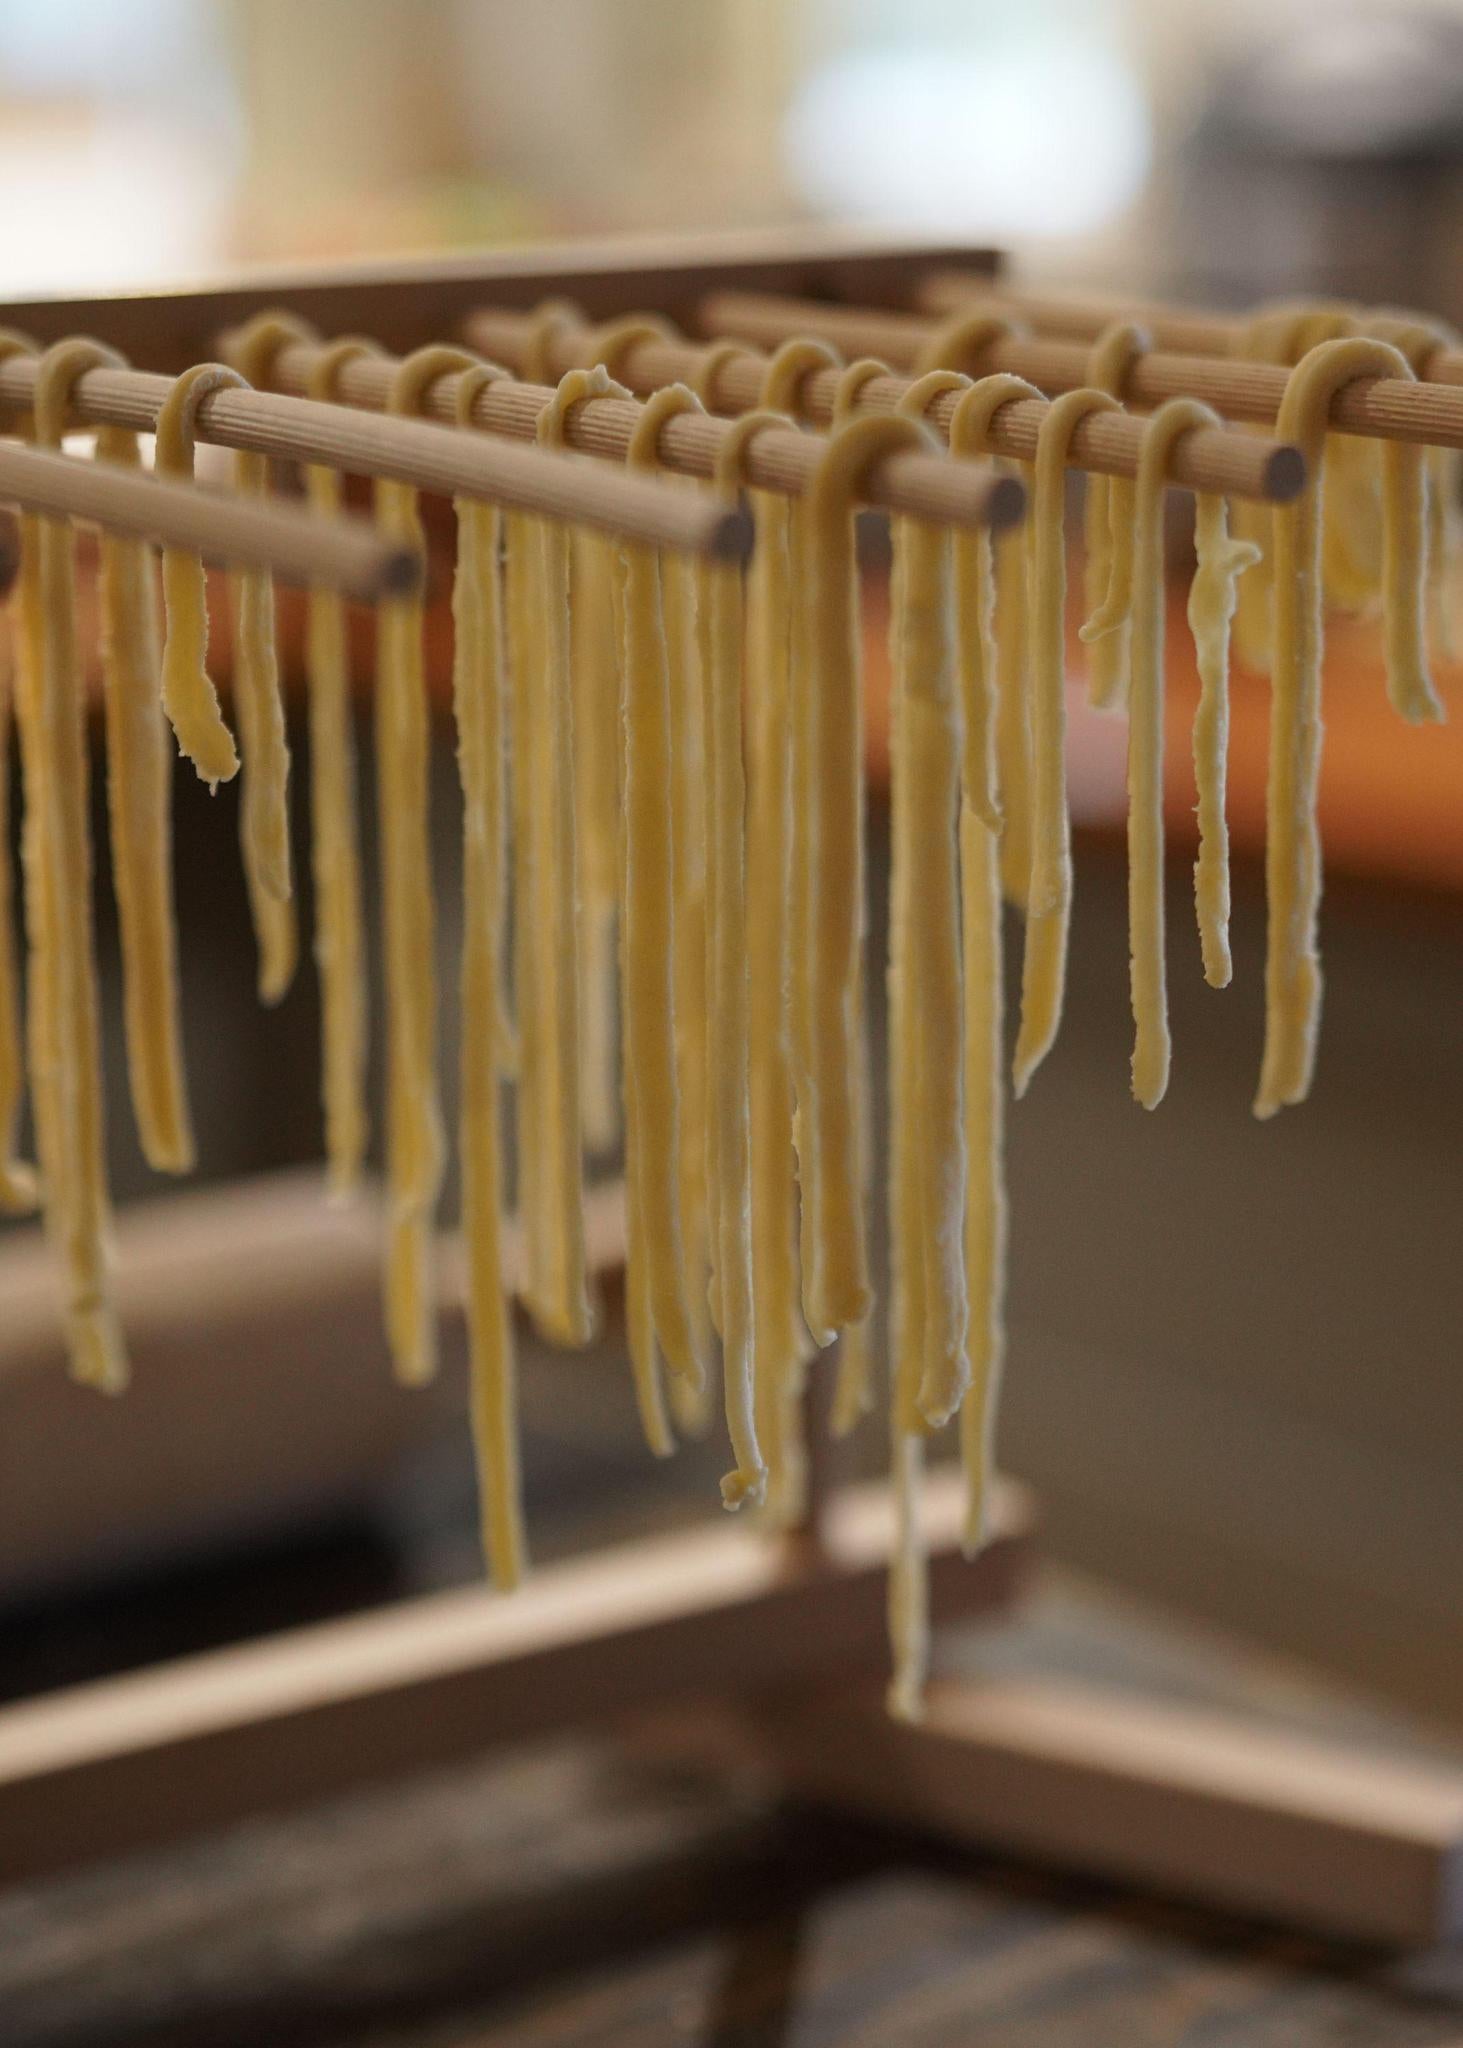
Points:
x=713, y=1611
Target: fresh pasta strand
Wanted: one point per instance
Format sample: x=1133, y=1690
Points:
x=1292, y=848
x=1419, y=341
x=559, y=1276
x=19, y=1192
x=780, y=1342
x=264, y=817
x=477, y=694
x=339, y=944
x=927, y=1081
x=414, y=1141
x=1044, y=963
x=189, y=697
x=1108, y=526
x=1213, y=595
x=65, y=1039
x=1151, y=1048
x=648, y=913
x=983, y=1012
x=594, y=653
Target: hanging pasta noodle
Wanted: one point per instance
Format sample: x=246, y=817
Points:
x=65, y=1051
x=189, y=697
x=959, y=345
x=264, y=821
x=853, y=1395
x=781, y=1341
x=1292, y=849
x=728, y=993
x=594, y=653
x=980, y=898
x=340, y=945
x=682, y=608
x=477, y=696
x=922, y=746
x=710, y=363
x=18, y=1189
x=1213, y=595
x=535, y=826
x=1419, y=341
x=930, y=1078
x=648, y=915
x=414, y=1145
x=1151, y=1052
x=559, y=1277
x=1044, y=962
x=1107, y=517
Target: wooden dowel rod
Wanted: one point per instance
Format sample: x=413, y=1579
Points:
x=786, y=460
x=1074, y=317
x=1170, y=327
x=433, y=458
x=1387, y=408
x=345, y=554
x=1241, y=465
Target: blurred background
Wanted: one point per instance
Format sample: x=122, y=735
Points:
x=1234, y=1362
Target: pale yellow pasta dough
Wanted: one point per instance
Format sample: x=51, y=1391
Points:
x=1049, y=896
x=478, y=701
x=1212, y=599
x=18, y=1190
x=340, y=946
x=1108, y=528
x=648, y=914
x=1292, y=849
x=926, y=1083
x=414, y=1141
x=188, y=696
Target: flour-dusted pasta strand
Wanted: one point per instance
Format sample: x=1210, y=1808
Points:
x=929, y=1089
x=1151, y=1048
x=335, y=851
x=478, y=700
x=960, y=345
x=560, y=1278
x=1292, y=849
x=1419, y=341
x=729, y=990
x=781, y=1340
x=836, y=1285
x=18, y=1189
x=65, y=1046
x=1108, y=529
x=595, y=657
x=909, y=1595
x=1213, y=595
x=853, y=1394
x=648, y=912
x=1049, y=899
x=20, y=1186
x=983, y=1020
x=264, y=804
x=188, y=695
x=414, y=1141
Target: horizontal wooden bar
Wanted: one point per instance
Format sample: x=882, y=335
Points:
x=344, y=553
x=780, y=459
x=1078, y=316
x=1388, y=408
x=405, y=301
x=1241, y=465
x=717, y=1610
x=431, y=457
x=1240, y=1815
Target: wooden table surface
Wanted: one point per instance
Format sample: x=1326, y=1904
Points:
x=589, y=1894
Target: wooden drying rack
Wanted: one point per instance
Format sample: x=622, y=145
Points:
x=785, y=1636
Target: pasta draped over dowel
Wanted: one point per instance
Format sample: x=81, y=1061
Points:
x=414, y=1142
x=1108, y=526
x=478, y=698
x=1292, y=847
x=335, y=835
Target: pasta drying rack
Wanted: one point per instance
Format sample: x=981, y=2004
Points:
x=780, y=1641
